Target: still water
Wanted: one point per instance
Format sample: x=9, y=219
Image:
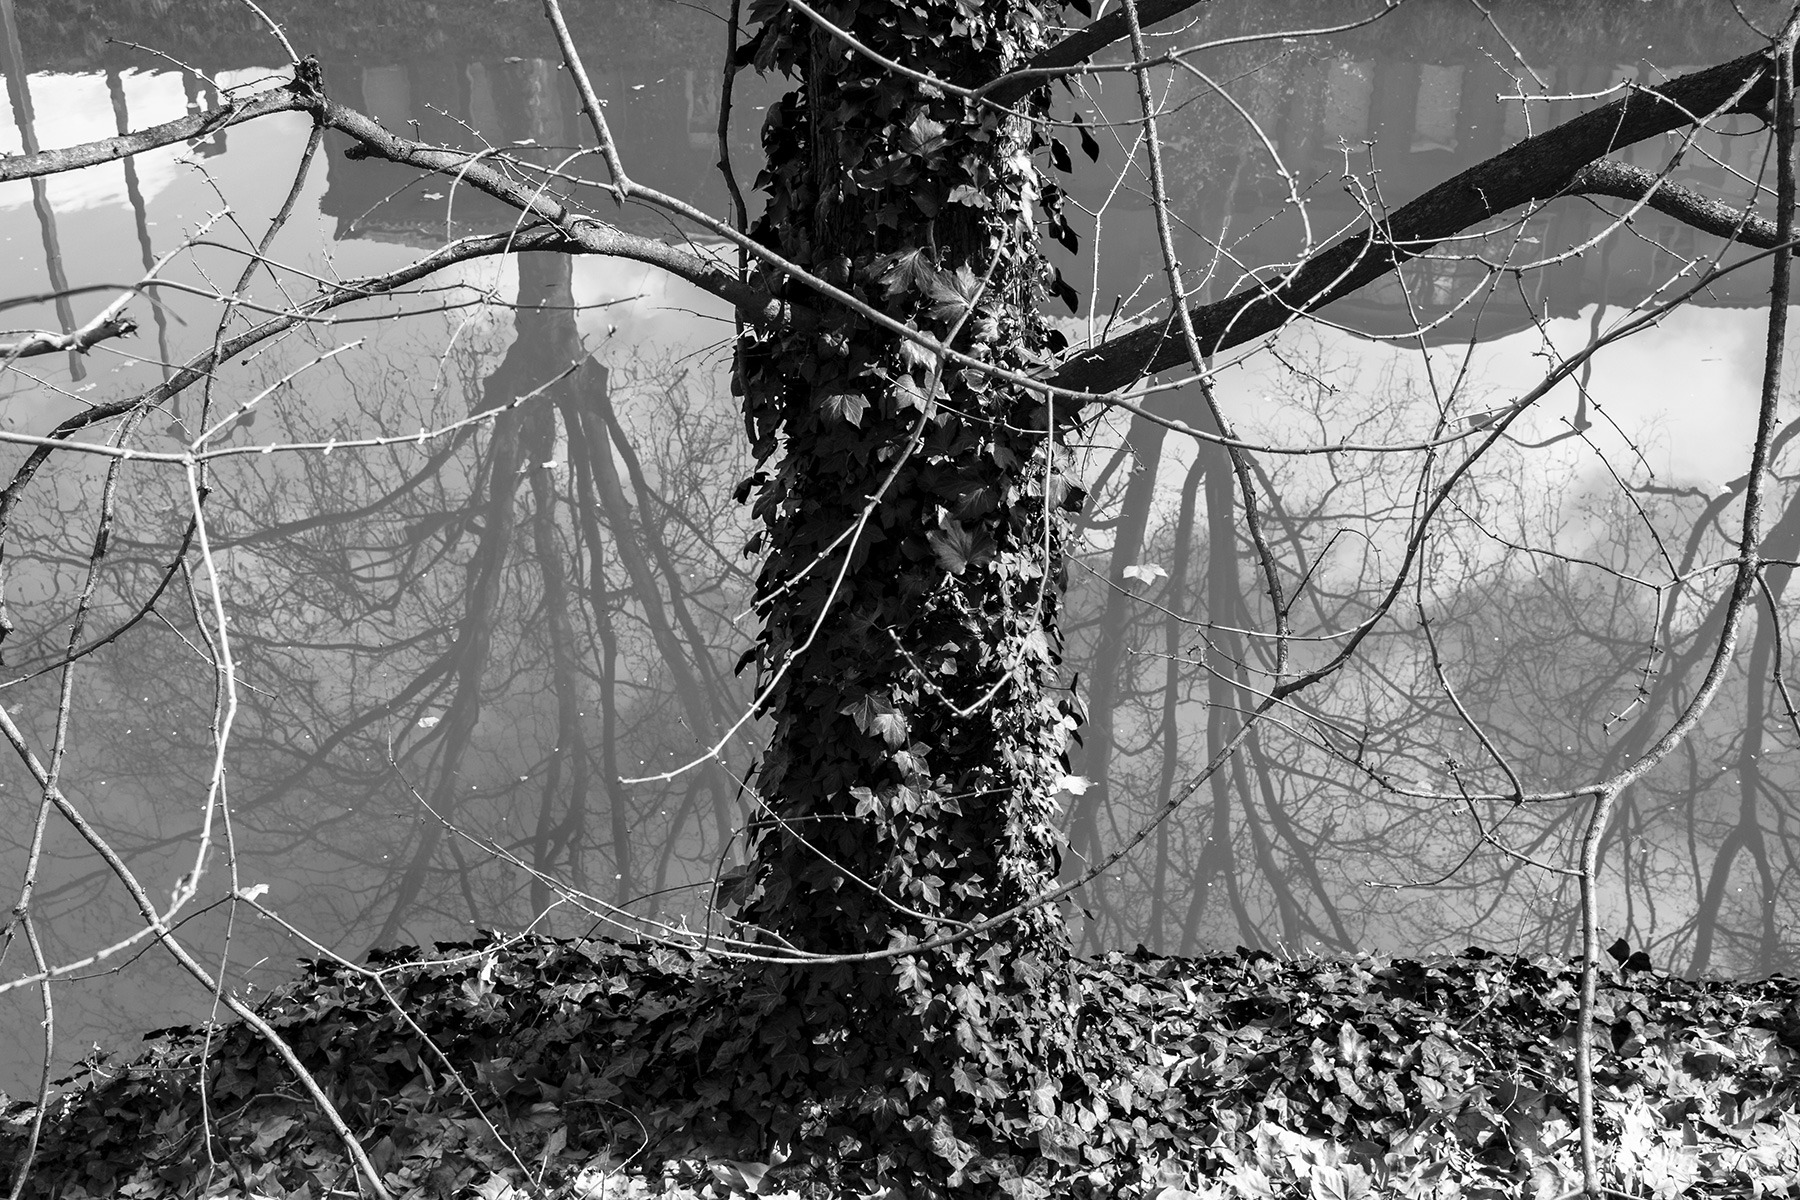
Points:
x=448, y=651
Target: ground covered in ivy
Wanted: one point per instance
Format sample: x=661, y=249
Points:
x=591, y=1070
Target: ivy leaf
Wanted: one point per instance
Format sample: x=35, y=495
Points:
x=892, y=728
x=1251, y=1183
x=915, y=355
x=970, y=195
x=951, y=294
x=740, y=1178
x=956, y=548
x=908, y=394
x=923, y=135
x=906, y=271
x=1059, y=156
x=1329, y=1183
x=878, y=718
x=947, y=1146
x=845, y=406
x=746, y=54
x=496, y=1187
x=1145, y=572
x=736, y=885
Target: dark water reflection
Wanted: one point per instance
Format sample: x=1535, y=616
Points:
x=449, y=652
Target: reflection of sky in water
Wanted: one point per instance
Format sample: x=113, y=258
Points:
x=1685, y=391
x=72, y=109
x=1682, y=393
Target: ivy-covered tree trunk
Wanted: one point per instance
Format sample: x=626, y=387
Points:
x=912, y=510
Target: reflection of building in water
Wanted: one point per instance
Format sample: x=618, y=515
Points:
x=665, y=121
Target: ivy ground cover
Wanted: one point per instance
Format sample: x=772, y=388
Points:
x=591, y=1070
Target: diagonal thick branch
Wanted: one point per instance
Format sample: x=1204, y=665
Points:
x=1537, y=170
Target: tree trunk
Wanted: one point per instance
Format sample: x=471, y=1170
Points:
x=914, y=569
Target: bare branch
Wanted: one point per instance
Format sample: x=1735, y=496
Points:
x=1624, y=181
x=107, y=325
x=196, y=125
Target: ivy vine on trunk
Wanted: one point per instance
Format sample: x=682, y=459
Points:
x=913, y=520
x=912, y=514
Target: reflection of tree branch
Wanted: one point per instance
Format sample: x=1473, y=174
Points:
x=486, y=568
x=1099, y=740
x=592, y=435
x=1305, y=858
x=1747, y=833
x=1169, y=728
x=431, y=523
x=550, y=838
x=600, y=604
x=200, y=367
x=659, y=548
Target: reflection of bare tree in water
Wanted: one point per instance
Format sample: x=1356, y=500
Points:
x=1541, y=640
x=569, y=579
x=600, y=521
x=523, y=613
